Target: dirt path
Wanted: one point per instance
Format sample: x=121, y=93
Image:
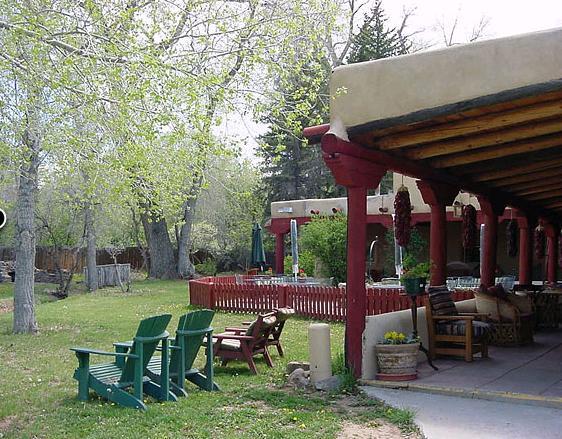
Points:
x=373, y=430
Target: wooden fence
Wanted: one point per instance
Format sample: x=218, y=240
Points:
x=45, y=257
x=318, y=302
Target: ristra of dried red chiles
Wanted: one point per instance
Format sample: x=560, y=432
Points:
x=469, y=227
x=402, y=216
x=511, y=238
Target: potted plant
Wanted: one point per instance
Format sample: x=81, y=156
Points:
x=397, y=357
x=414, y=278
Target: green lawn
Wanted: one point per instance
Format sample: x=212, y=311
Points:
x=38, y=394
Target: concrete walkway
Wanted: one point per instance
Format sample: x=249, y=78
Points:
x=535, y=369
x=448, y=417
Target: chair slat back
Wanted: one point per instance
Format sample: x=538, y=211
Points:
x=194, y=321
x=152, y=330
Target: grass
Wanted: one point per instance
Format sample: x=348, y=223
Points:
x=38, y=394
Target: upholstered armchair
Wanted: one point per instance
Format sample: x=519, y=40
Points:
x=453, y=333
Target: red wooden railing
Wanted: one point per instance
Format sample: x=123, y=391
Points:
x=318, y=302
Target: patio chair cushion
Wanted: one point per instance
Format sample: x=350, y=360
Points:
x=266, y=323
x=284, y=314
x=441, y=301
x=523, y=303
x=496, y=291
x=230, y=345
x=458, y=327
x=497, y=309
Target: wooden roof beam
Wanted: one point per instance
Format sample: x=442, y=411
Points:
x=523, y=178
x=554, y=194
x=473, y=125
x=509, y=171
x=538, y=189
x=481, y=141
x=500, y=151
x=535, y=184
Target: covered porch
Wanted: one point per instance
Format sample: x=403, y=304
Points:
x=484, y=118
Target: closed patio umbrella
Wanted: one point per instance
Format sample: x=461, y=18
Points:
x=258, y=252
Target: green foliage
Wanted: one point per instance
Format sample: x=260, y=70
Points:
x=394, y=337
x=326, y=238
x=414, y=253
x=207, y=268
x=376, y=39
x=348, y=382
x=420, y=270
x=226, y=211
x=307, y=263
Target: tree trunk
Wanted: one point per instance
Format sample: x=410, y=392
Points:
x=186, y=269
x=162, y=258
x=144, y=252
x=91, y=250
x=24, y=300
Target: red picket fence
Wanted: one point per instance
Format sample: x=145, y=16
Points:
x=317, y=302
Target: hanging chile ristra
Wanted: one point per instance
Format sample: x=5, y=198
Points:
x=402, y=216
x=511, y=238
x=540, y=240
x=560, y=249
x=469, y=227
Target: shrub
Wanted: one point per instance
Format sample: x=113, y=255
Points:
x=306, y=263
x=326, y=238
x=207, y=268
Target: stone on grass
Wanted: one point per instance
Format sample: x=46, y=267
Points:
x=299, y=379
x=294, y=365
x=329, y=384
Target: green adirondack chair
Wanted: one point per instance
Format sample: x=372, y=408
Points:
x=111, y=380
x=193, y=332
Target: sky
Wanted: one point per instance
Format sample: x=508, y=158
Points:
x=503, y=17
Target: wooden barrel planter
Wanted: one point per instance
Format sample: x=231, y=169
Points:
x=397, y=362
x=112, y=275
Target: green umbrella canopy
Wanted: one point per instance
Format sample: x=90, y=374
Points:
x=258, y=252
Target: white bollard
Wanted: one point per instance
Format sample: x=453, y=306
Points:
x=319, y=352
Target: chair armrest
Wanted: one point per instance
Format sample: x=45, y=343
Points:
x=123, y=344
x=475, y=314
x=235, y=330
x=98, y=352
x=459, y=317
x=232, y=337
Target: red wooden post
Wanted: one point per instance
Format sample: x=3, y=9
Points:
x=280, y=253
x=357, y=175
x=526, y=226
x=356, y=292
x=552, y=233
x=491, y=210
x=438, y=196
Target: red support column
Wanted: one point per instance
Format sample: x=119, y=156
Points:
x=357, y=175
x=356, y=291
x=552, y=232
x=491, y=210
x=526, y=226
x=438, y=196
x=279, y=253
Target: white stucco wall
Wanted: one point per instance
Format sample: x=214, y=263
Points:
x=400, y=321
x=302, y=208
x=374, y=90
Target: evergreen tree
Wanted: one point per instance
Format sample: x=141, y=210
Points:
x=291, y=168
x=376, y=39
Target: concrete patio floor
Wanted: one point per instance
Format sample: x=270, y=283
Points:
x=527, y=374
